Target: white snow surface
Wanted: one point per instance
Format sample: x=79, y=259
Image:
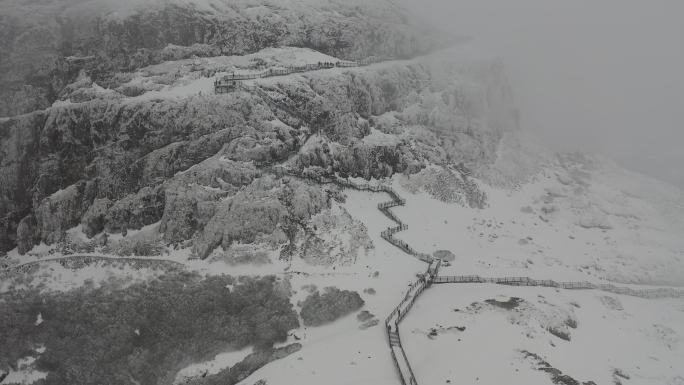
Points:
x=641, y=338
x=341, y=353
x=642, y=247
x=220, y=361
x=539, y=228
x=25, y=372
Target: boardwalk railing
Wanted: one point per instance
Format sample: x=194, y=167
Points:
x=431, y=276
x=223, y=84
x=397, y=315
x=415, y=289
x=527, y=281
x=384, y=207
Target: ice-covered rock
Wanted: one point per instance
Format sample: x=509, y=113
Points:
x=178, y=159
x=108, y=36
x=93, y=221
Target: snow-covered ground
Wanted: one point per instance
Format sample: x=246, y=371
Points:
x=593, y=228
x=538, y=229
x=640, y=338
x=513, y=236
x=25, y=373
x=341, y=352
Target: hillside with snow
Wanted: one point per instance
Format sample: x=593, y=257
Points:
x=45, y=46
x=157, y=230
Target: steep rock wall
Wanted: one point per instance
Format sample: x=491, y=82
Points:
x=117, y=164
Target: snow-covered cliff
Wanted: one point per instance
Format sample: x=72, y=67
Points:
x=175, y=152
x=133, y=196
x=44, y=46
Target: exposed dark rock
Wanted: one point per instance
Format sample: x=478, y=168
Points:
x=27, y=234
x=63, y=210
x=364, y=316
x=186, y=210
x=562, y=334
x=93, y=220
x=509, y=304
x=619, y=375
x=557, y=377
x=369, y=324
x=444, y=255
x=136, y=210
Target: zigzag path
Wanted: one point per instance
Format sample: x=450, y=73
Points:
x=431, y=276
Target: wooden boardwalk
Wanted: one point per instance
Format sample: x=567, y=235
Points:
x=423, y=281
x=651, y=293
x=431, y=276
x=234, y=81
x=397, y=315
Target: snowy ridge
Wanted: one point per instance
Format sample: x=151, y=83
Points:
x=292, y=69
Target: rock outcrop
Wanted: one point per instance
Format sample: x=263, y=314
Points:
x=93, y=221
x=202, y=164
x=44, y=49
x=63, y=209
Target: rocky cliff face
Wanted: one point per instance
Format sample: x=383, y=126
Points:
x=43, y=48
x=200, y=164
x=117, y=164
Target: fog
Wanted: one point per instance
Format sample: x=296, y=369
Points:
x=601, y=76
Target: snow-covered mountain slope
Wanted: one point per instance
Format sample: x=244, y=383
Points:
x=631, y=340
x=109, y=195
x=573, y=218
x=44, y=46
x=579, y=216
x=163, y=147
x=491, y=335
x=139, y=184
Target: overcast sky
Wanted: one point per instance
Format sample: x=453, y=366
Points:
x=595, y=75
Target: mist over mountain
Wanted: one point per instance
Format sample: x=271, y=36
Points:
x=599, y=76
